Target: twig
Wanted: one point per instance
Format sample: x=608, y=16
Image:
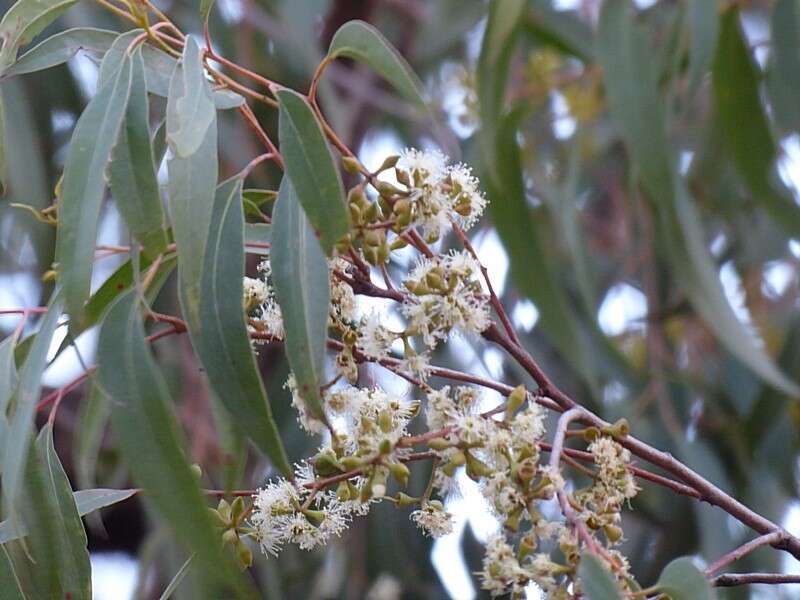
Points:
x=734, y=579
x=746, y=548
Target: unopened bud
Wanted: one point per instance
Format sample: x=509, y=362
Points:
x=400, y=472
x=351, y=164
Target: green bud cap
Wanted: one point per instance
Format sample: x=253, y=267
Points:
x=229, y=536
x=438, y=443
x=351, y=165
x=401, y=473
x=196, y=471
x=405, y=500
x=389, y=163
x=237, y=509
x=515, y=399
x=613, y=533
x=244, y=556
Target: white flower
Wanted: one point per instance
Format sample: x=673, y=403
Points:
x=256, y=291
x=343, y=300
x=527, y=426
x=304, y=417
x=433, y=519
x=417, y=365
x=467, y=201
x=501, y=570
x=374, y=340
x=426, y=167
x=445, y=296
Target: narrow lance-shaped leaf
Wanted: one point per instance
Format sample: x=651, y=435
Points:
x=744, y=124
x=59, y=48
x=84, y=182
x=302, y=287
x=190, y=107
x=492, y=73
x=192, y=184
x=86, y=501
x=132, y=171
x=220, y=335
x=24, y=21
x=635, y=105
x=56, y=540
x=563, y=29
x=311, y=169
x=24, y=402
x=362, y=42
x=704, y=32
x=783, y=76
x=596, y=582
x=148, y=434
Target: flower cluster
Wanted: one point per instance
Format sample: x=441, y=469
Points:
x=367, y=447
x=438, y=193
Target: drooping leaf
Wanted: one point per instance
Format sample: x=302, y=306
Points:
x=89, y=501
x=783, y=75
x=84, y=181
x=362, y=42
x=190, y=107
x=192, y=184
x=94, y=413
x=3, y=145
x=176, y=580
x=684, y=581
x=302, y=288
x=9, y=581
x=132, y=170
x=596, y=582
x=311, y=169
x=744, y=124
x=59, y=48
x=86, y=502
x=226, y=99
x=704, y=32
x=220, y=335
x=8, y=373
x=24, y=400
x=561, y=29
x=634, y=103
x=56, y=541
x=492, y=73
x=23, y=22
x=148, y=435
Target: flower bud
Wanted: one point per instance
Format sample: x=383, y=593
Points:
x=400, y=472
x=515, y=399
x=229, y=536
x=351, y=165
x=405, y=500
x=244, y=556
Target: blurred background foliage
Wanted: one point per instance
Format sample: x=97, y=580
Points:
x=643, y=168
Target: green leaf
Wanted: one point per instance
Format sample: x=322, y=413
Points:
x=492, y=73
x=91, y=500
x=744, y=124
x=3, y=145
x=597, y=583
x=564, y=30
x=9, y=582
x=23, y=22
x=148, y=435
x=703, y=32
x=633, y=99
x=82, y=188
x=226, y=99
x=57, y=541
x=629, y=76
x=190, y=107
x=93, y=415
x=205, y=10
x=783, y=75
x=86, y=501
x=8, y=373
x=310, y=166
x=681, y=580
x=59, y=48
x=24, y=401
x=302, y=288
x=362, y=42
x=220, y=335
x=176, y=580
x=533, y=274
x=192, y=184
x=132, y=171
